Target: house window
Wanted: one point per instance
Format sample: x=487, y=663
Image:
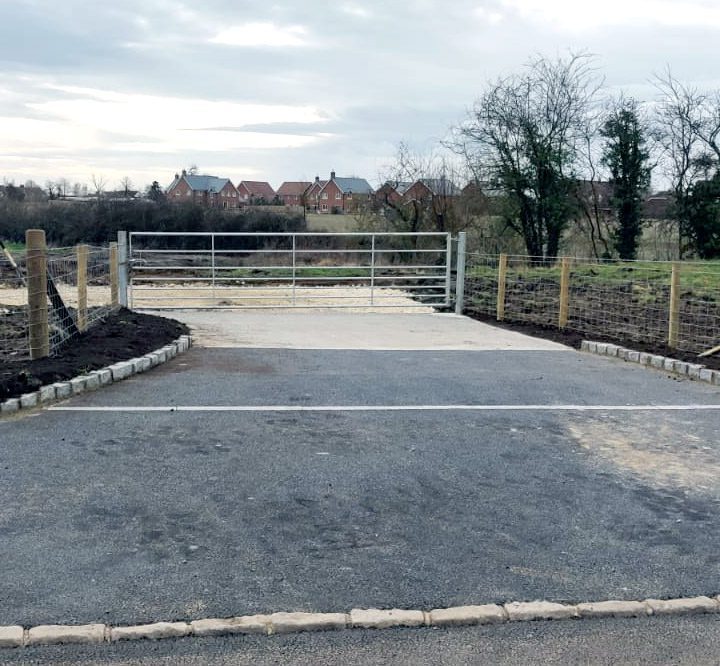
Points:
x=324, y=195
x=323, y=206
x=338, y=195
x=188, y=193
x=177, y=193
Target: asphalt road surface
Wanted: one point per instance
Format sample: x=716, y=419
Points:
x=131, y=516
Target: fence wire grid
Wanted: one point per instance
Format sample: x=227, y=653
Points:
x=621, y=300
x=14, y=344
x=62, y=294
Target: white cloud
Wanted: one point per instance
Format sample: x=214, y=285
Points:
x=262, y=34
x=488, y=16
x=576, y=15
x=356, y=10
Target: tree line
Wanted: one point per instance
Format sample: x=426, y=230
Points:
x=98, y=222
x=547, y=146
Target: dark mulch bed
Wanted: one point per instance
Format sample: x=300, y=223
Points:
x=573, y=339
x=121, y=336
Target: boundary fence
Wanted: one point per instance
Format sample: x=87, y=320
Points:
x=676, y=304
x=51, y=295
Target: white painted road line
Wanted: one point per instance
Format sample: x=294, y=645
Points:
x=389, y=408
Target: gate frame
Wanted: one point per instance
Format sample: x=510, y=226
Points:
x=125, y=245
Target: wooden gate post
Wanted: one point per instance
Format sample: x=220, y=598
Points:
x=114, y=265
x=564, y=292
x=36, y=259
x=674, y=312
x=502, y=275
x=82, y=262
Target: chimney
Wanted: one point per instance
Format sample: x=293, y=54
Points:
x=176, y=176
x=317, y=179
x=184, y=173
x=332, y=175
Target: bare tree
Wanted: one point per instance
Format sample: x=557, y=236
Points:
x=524, y=136
x=126, y=186
x=689, y=129
x=421, y=191
x=98, y=182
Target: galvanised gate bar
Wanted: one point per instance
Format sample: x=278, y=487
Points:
x=268, y=270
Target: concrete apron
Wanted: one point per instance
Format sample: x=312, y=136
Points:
x=328, y=329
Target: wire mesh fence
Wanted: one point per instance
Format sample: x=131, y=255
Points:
x=625, y=301
x=13, y=312
x=75, y=292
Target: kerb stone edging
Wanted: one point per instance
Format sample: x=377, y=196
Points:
x=95, y=380
x=695, y=371
x=17, y=636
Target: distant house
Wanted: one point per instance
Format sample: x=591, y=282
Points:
x=256, y=192
x=312, y=196
x=391, y=192
x=342, y=195
x=292, y=193
x=208, y=191
x=426, y=189
x=658, y=206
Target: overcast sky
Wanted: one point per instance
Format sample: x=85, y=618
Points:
x=287, y=90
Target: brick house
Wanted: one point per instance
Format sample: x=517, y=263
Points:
x=343, y=195
x=427, y=189
x=292, y=193
x=391, y=192
x=207, y=191
x=256, y=192
x=312, y=196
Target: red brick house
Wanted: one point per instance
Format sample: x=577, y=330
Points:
x=391, y=192
x=208, y=191
x=292, y=193
x=312, y=196
x=342, y=195
x=256, y=192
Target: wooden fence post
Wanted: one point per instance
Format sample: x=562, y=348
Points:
x=36, y=259
x=114, y=266
x=674, y=313
x=82, y=263
x=564, y=292
x=502, y=275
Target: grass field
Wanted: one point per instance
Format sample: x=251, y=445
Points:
x=700, y=277
x=338, y=223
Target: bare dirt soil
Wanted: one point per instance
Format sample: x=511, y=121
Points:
x=574, y=339
x=121, y=336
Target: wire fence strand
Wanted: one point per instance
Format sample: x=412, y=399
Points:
x=621, y=300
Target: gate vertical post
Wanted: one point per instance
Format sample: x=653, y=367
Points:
x=82, y=252
x=212, y=262
x=123, y=268
x=294, y=267
x=372, y=270
x=36, y=259
x=448, y=268
x=460, y=273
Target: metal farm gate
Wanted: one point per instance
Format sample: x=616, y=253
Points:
x=270, y=270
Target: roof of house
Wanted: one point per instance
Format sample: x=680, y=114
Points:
x=400, y=186
x=259, y=188
x=293, y=188
x=354, y=185
x=201, y=183
x=441, y=186
x=658, y=206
